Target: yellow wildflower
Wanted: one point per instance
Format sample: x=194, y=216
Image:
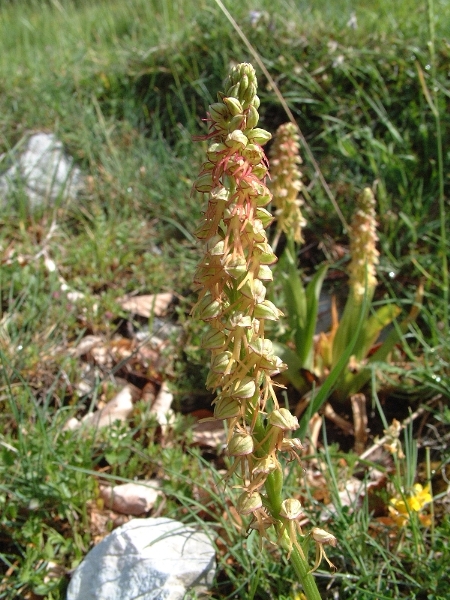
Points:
x=401, y=508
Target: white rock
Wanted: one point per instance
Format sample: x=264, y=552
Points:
x=134, y=498
x=43, y=172
x=117, y=409
x=145, y=559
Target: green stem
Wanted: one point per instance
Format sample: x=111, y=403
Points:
x=306, y=578
x=274, y=486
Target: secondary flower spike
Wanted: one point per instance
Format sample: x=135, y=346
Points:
x=286, y=181
x=363, y=250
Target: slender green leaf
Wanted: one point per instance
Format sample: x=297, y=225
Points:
x=304, y=339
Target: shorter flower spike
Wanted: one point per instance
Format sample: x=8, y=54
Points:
x=363, y=250
x=286, y=181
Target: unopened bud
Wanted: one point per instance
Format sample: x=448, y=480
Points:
x=245, y=389
x=252, y=117
x=259, y=136
x=241, y=444
x=267, y=310
x=218, y=111
x=291, y=509
x=249, y=503
x=221, y=361
x=213, y=340
x=236, y=140
x=234, y=106
x=227, y=408
x=283, y=419
x=235, y=123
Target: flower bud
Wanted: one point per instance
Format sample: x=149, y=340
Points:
x=218, y=111
x=234, y=106
x=267, y=310
x=235, y=123
x=256, y=101
x=241, y=444
x=249, y=503
x=243, y=85
x=245, y=389
x=221, y=361
x=227, y=408
x=252, y=117
x=233, y=91
x=213, y=340
x=259, y=136
x=283, y=419
x=248, y=94
x=208, y=308
x=291, y=509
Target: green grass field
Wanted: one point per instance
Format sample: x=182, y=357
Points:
x=125, y=86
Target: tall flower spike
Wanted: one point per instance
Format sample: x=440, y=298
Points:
x=232, y=274
x=231, y=280
x=286, y=181
x=363, y=250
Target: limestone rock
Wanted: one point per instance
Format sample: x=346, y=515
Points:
x=134, y=498
x=43, y=172
x=145, y=559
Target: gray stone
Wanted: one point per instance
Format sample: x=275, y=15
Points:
x=42, y=171
x=146, y=559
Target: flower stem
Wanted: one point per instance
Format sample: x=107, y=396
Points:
x=306, y=577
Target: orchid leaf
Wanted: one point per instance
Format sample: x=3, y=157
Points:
x=304, y=339
x=375, y=324
x=356, y=381
x=294, y=365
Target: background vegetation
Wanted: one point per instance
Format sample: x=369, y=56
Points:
x=125, y=85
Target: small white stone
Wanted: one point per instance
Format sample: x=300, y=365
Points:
x=134, y=498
